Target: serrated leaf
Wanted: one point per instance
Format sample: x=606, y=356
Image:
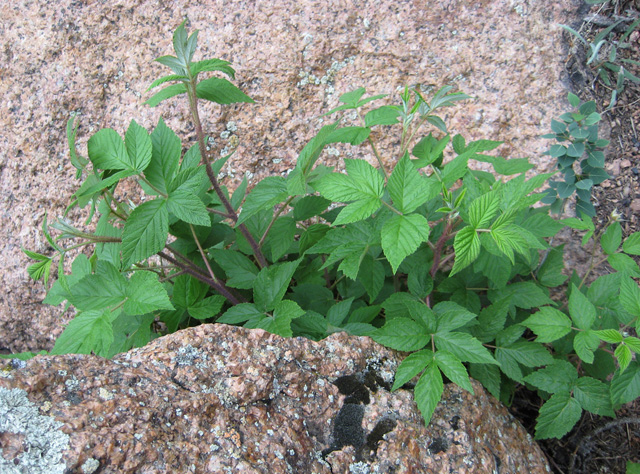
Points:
x=482, y=210
x=625, y=386
x=464, y=346
x=240, y=313
x=339, y=312
x=593, y=396
x=166, y=93
x=39, y=270
x=212, y=65
x=411, y=366
x=611, y=239
x=611, y=336
x=145, y=294
x=271, y=284
x=450, y=316
x=401, y=236
x=385, y=115
x=554, y=378
x=106, y=287
x=548, y=324
x=467, y=248
x=107, y=151
x=371, y=275
x=631, y=244
x=550, y=272
x=623, y=354
x=557, y=416
x=221, y=91
x=633, y=343
x=402, y=334
x=309, y=206
x=630, y=296
x=165, y=157
x=280, y=323
x=188, y=207
x=187, y=291
x=451, y=366
x=138, y=144
x=585, y=343
x=89, y=332
x=428, y=392
x=145, y=232
x=429, y=150
x=351, y=135
x=488, y=376
x=206, y=308
x=267, y=193
x=241, y=272
x=357, y=211
x=406, y=186
x=582, y=311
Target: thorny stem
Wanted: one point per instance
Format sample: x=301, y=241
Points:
x=439, y=246
x=193, y=105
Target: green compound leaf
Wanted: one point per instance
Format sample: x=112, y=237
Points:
x=357, y=211
x=401, y=236
x=482, y=210
x=467, y=248
x=451, y=366
x=107, y=151
x=464, y=346
x=411, y=366
x=351, y=135
x=309, y=206
x=221, y=91
x=212, y=65
x=145, y=232
x=582, y=311
x=593, y=396
x=611, y=336
x=406, y=186
x=267, y=193
x=271, y=284
x=138, y=144
x=548, y=324
x=385, y=115
x=145, y=294
x=402, y=334
x=371, y=275
x=557, y=416
x=428, y=391
x=89, y=332
x=585, y=343
x=188, y=207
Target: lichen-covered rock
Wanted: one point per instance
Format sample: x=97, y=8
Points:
x=216, y=399
x=294, y=57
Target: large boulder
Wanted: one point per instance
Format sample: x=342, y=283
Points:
x=294, y=57
x=216, y=399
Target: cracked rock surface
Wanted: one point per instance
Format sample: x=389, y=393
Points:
x=223, y=399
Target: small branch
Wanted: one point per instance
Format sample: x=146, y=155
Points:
x=146, y=181
x=204, y=256
x=275, y=217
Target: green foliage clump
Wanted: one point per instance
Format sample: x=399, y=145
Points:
x=448, y=264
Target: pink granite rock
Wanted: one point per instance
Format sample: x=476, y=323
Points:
x=295, y=57
x=216, y=399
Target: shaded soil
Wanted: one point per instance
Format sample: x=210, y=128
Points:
x=601, y=444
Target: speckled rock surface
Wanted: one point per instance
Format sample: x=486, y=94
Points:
x=216, y=399
x=293, y=57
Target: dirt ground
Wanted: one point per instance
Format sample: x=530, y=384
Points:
x=601, y=444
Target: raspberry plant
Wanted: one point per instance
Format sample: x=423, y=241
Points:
x=446, y=263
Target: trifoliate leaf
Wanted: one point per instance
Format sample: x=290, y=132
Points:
x=593, y=396
x=89, y=332
x=560, y=376
x=411, y=366
x=451, y=366
x=464, y=346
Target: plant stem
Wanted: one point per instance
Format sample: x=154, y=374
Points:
x=193, y=105
x=204, y=256
x=439, y=246
x=275, y=217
